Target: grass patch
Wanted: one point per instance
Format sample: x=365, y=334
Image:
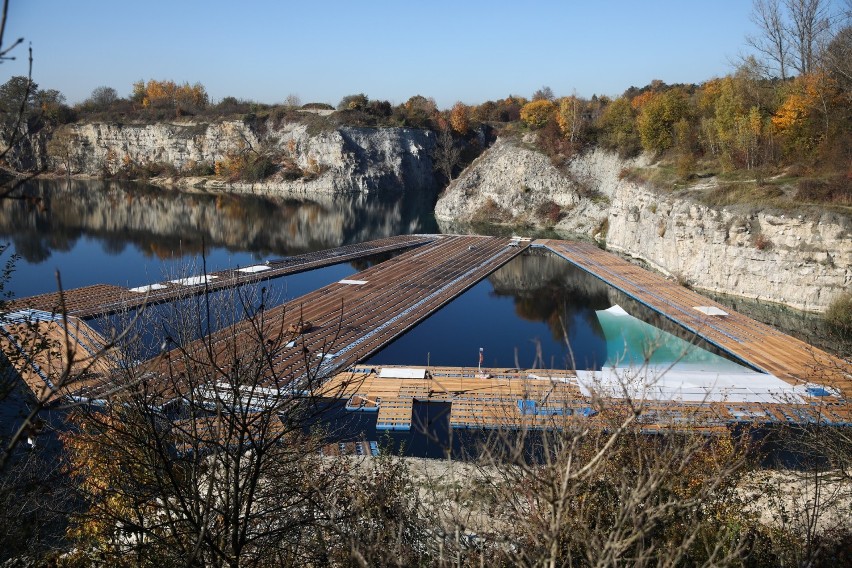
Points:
x=839, y=314
x=744, y=193
x=836, y=190
x=662, y=177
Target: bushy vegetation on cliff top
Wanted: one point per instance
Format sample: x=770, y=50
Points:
x=788, y=114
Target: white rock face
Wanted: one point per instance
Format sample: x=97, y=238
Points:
x=802, y=261
x=522, y=181
x=350, y=159
x=798, y=260
x=516, y=179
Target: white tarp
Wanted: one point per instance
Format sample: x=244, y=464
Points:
x=193, y=280
x=710, y=310
x=681, y=384
x=253, y=269
x=402, y=373
x=149, y=288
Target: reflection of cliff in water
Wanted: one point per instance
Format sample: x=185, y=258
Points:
x=161, y=222
x=548, y=288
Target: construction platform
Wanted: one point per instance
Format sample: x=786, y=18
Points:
x=57, y=356
x=317, y=336
x=547, y=399
x=345, y=322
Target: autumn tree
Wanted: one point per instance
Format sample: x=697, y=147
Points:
x=803, y=118
x=618, y=130
x=353, y=102
x=205, y=459
x=503, y=110
x=419, y=111
x=732, y=129
x=544, y=94
x=168, y=94
x=571, y=118
x=460, y=118
x=563, y=497
x=658, y=116
x=536, y=113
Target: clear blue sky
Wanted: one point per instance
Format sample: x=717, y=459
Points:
x=322, y=50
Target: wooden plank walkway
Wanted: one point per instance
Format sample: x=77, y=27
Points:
x=759, y=345
x=354, y=318
x=101, y=299
x=478, y=400
x=546, y=398
x=56, y=360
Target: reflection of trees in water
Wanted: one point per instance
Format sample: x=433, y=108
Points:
x=554, y=305
x=166, y=224
x=546, y=288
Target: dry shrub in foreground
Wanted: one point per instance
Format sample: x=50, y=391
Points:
x=214, y=482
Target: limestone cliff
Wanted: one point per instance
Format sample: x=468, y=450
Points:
x=340, y=160
x=803, y=260
x=514, y=184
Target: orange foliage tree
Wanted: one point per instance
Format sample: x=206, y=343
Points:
x=537, y=113
x=460, y=118
x=803, y=118
x=102, y=458
x=168, y=94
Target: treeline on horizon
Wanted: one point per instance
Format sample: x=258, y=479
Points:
x=758, y=119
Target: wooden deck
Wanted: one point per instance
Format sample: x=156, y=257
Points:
x=353, y=318
x=759, y=345
x=541, y=398
x=356, y=317
x=57, y=358
x=479, y=400
x=101, y=299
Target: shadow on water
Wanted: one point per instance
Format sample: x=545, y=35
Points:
x=430, y=435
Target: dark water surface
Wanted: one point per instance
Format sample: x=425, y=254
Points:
x=132, y=234
x=536, y=311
